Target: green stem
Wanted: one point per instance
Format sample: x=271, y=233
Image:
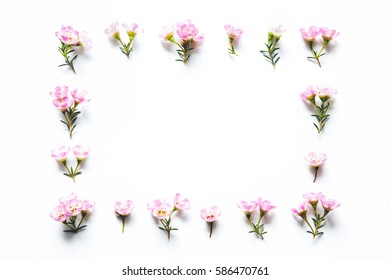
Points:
x=211, y=229
x=311, y=228
x=123, y=218
x=315, y=173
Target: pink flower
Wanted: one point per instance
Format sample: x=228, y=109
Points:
x=312, y=198
x=62, y=100
x=80, y=152
x=210, y=215
x=123, y=208
x=247, y=207
x=87, y=205
x=68, y=36
x=59, y=214
x=301, y=211
x=80, y=96
x=316, y=159
x=181, y=204
x=160, y=209
x=325, y=92
x=167, y=33
x=131, y=29
x=73, y=207
x=310, y=34
x=328, y=34
x=264, y=206
x=84, y=40
x=278, y=31
x=188, y=31
x=232, y=31
x=65, y=199
x=328, y=204
x=60, y=92
x=61, y=153
x=309, y=95
x=113, y=30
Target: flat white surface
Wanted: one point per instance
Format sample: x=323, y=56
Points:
x=219, y=130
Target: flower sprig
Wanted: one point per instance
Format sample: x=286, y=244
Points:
x=210, y=216
x=320, y=97
x=114, y=32
x=70, y=39
x=122, y=210
x=187, y=34
x=163, y=211
x=233, y=34
x=67, y=102
x=274, y=35
x=264, y=208
x=318, y=221
x=310, y=36
x=61, y=155
x=69, y=211
x=315, y=160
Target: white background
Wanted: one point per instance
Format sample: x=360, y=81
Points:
x=219, y=130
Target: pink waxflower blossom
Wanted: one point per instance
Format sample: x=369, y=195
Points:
x=123, y=208
x=278, y=30
x=73, y=207
x=180, y=203
x=232, y=31
x=59, y=214
x=80, y=96
x=328, y=34
x=61, y=153
x=188, y=31
x=264, y=206
x=309, y=95
x=312, y=198
x=80, y=152
x=210, y=215
x=60, y=92
x=167, y=33
x=316, y=159
x=160, y=209
x=325, y=92
x=329, y=204
x=247, y=207
x=65, y=199
x=301, y=210
x=63, y=103
x=67, y=35
x=87, y=205
x=310, y=34
x=113, y=30
x=84, y=40
x=131, y=29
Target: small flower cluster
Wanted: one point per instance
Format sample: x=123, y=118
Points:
x=310, y=36
x=210, y=216
x=313, y=199
x=163, y=211
x=187, y=35
x=233, y=33
x=114, y=32
x=249, y=207
x=122, y=210
x=70, y=39
x=61, y=154
x=320, y=97
x=315, y=160
x=274, y=36
x=67, y=103
x=69, y=210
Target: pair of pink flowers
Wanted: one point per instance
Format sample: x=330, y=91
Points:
x=61, y=155
x=315, y=199
x=70, y=39
x=320, y=97
x=187, y=35
x=311, y=34
x=114, y=32
x=67, y=102
x=264, y=207
x=69, y=211
x=163, y=211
